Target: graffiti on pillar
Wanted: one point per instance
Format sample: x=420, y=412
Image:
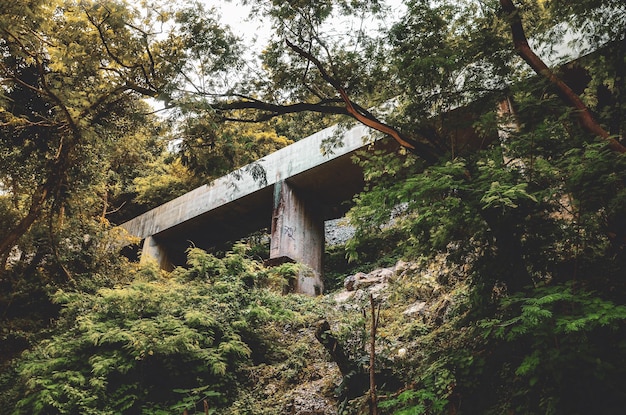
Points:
x=289, y=231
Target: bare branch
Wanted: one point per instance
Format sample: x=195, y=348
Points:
x=365, y=118
x=276, y=109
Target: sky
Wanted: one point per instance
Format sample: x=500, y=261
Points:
x=236, y=15
x=233, y=13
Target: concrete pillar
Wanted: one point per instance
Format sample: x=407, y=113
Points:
x=506, y=112
x=153, y=251
x=297, y=234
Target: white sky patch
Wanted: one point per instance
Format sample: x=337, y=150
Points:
x=252, y=30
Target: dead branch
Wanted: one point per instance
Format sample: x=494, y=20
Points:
x=331, y=344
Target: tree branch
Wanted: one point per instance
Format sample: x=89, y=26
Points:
x=146, y=77
x=364, y=117
x=530, y=57
x=274, y=110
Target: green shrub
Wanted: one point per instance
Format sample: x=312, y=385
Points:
x=159, y=344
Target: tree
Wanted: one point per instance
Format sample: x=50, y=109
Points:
x=449, y=65
x=73, y=70
x=75, y=134
x=295, y=80
x=530, y=57
x=211, y=150
x=531, y=202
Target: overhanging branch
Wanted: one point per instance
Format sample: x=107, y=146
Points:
x=350, y=108
x=530, y=57
x=269, y=110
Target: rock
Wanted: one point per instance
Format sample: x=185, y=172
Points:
x=338, y=231
x=351, y=282
x=416, y=308
x=377, y=290
x=343, y=296
x=368, y=281
x=381, y=273
x=374, y=273
x=386, y=274
x=401, y=266
x=309, y=399
x=360, y=296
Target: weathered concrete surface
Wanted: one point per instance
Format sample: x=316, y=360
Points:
x=286, y=163
x=297, y=233
x=151, y=250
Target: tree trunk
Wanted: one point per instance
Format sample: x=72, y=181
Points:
x=331, y=344
x=373, y=397
x=36, y=205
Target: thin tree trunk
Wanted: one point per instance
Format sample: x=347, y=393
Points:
x=374, y=326
x=530, y=57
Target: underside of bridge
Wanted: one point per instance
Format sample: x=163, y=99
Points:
x=326, y=194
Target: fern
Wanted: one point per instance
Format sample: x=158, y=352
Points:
x=130, y=348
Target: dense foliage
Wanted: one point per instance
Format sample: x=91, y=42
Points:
x=537, y=222
x=508, y=197
x=159, y=343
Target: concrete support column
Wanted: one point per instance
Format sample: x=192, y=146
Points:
x=297, y=234
x=506, y=112
x=151, y=250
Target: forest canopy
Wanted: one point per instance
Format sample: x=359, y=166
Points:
x=510, y=120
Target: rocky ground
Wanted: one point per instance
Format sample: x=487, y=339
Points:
x=410, y=293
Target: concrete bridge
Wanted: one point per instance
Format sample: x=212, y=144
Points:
x=291, y=191
x=299, y=189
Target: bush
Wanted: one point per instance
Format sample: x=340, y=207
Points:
x=160, y=344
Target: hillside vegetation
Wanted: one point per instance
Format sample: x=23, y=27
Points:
x=486, y=271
